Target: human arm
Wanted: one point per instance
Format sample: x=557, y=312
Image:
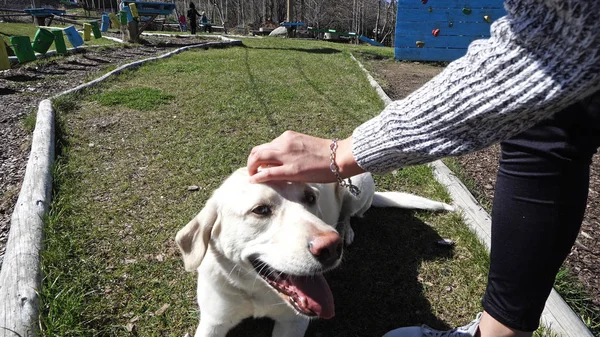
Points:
x=541, y=57
x=298, y=157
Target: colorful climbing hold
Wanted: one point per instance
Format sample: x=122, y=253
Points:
x=450, y=24
x=420, y=44
x=424, y=2
x=466, y=10
x=487, y=18
x=435, y=32
x=430, y=9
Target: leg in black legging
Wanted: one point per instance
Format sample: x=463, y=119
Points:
x=540, y=199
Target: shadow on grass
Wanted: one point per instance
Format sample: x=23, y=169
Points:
x=376, y=287
x=305, y=50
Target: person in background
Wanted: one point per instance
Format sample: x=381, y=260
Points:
x=534, y=85
x=182, y=23
x=192, y=15
x=205, y=23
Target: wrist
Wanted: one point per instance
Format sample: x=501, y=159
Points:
x=348, y=167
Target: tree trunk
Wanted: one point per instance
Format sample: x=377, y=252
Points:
x=377, y=20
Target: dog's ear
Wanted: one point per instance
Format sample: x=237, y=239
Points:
x=193, y=239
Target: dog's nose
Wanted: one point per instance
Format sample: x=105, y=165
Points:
x=326, y=247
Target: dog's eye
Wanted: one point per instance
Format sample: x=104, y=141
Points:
x=262, y=210
x=310, y=198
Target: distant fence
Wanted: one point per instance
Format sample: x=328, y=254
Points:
x=441, y=30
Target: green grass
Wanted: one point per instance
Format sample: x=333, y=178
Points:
x=136, y=98
x=28, y=29
x=470, y=183
x=120, y=195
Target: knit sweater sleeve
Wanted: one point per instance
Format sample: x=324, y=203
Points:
x=541, y=57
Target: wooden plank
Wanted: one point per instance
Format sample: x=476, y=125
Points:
x=442, y=41
x=472, y=4
x=449, y=14
x=20, y=277
x=428, y=54
x=466, y=28
x=473, y=214
x=560, y=318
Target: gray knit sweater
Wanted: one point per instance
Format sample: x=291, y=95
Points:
x=541, y=57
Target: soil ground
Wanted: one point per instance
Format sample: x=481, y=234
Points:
x=23, y=87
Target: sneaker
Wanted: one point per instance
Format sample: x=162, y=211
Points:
x=468, y=330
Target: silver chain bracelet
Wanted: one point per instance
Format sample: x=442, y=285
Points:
x=335, y=169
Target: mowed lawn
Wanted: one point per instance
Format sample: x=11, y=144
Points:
x=130, y=149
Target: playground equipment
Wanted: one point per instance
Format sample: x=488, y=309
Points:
x=74, y=38
x=42, y=41
x=105, y=23
x=4, y=62
x=87, y=32
x=332, y=34
x=45, y=36
x=59, y=41
x=114, y=20
x=145, y=12
x=41, y=14
x=22, y=48
x=369, y=41
x=95, y=29
x=291, y=27
x=441, y=30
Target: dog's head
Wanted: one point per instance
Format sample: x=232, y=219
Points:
x=273, y=231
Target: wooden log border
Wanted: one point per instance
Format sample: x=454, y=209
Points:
x=21, y=276
x=557, y=315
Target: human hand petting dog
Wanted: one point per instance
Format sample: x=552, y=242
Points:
x=295, y=156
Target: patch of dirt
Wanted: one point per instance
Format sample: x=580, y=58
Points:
x=24, y=86
x=401, y=78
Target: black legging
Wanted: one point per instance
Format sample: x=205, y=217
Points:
x=193, y=26
x=540, y=199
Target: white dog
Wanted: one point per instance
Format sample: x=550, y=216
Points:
x=261, y=249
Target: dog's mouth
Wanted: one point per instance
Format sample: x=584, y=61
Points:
x=309, y=295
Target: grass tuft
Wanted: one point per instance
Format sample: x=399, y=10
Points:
x=136, y=98
x=66, y=104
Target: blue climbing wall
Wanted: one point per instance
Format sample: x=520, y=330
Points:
x=441, y=30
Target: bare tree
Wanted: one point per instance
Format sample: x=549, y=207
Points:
x=373, y=18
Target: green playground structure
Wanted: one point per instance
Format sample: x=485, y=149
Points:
x=25, y=50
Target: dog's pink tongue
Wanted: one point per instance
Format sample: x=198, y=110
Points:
x=317, y=293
